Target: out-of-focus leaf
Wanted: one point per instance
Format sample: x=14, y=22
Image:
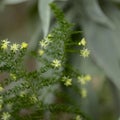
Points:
x=90, y=104
x=14, y=1
x=44, y=13
x=35, y=38
x=104, y=41
x=88, y=66
x=94, y=12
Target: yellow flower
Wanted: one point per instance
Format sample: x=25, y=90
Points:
x=14, y=47
x=49, y=36
x=87, y=77
x=78, y=117
x=6, y=116
x=5, y=41
x=82, y=80
x=85, y=52
x=83, y=93
x=45, y=42
x=0, y=107
x=56, y=63
x=1, y=88
x=40, y=52
x=68, y=82
x=82, y=42
x=5, y=44
x=24, y=45
x=22, y=94
x=13, y=76
x=64, y=78
x=33, y=99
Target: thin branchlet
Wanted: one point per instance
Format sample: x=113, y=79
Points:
x=21, y=90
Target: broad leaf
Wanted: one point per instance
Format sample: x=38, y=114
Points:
x=44, y=13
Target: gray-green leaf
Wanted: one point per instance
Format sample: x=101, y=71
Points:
x=44, y=13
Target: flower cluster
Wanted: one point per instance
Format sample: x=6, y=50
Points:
x=44, y=44
x=83, y=80
x=84, y=52
x=55, y=60
x=21, y=86
x=67, y=81
x=5, y=45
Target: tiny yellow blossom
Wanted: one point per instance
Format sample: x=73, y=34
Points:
x=1, y=88
x=40, y=52
x=5, y=44
x=6, y=116
x=68, y=82
x=33, y=99
x=78, y=117
x=82, y=42
x=85, y=52
x=5, y=41
x=64, y=78
x=49, y=36
x=83, y=93
x=22, y=94
x=14, y=47
x=44, y=43
x=87, y=77
x=24, y=45
x=13, y=76
x=56, y=63
x=0, y=107
x=82, y=80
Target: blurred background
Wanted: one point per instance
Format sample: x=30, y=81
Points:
x=99, y=21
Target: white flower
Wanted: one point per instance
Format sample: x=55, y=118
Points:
x=85, y=52
x=5, y=44
x=45, y=42
x=67, y=81
x=14, y=47
x=56, y=63
x=5, y=116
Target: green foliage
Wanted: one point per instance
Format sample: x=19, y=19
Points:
x=99, y=22
x=21, y=90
